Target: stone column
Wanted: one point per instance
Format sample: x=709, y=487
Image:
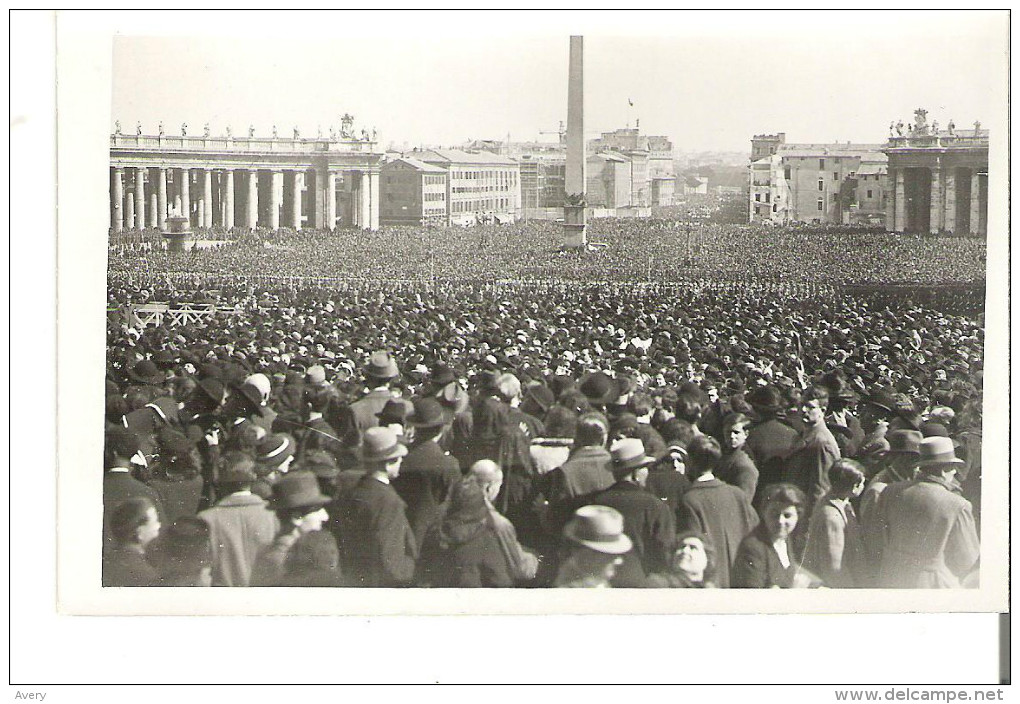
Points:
x=295, y=201
x=117, y=198
x=161, y=199
x=140, y=198
x=890, y=202
x=228, y=201
x=330, y=196
x=373, y=201
x=253, y=199
x=153, y=200
x=317, y=211
x=900, y=200
x=364, y=208
x=186, y=194
x=975, y=202
x=937, y=209
x=275, y=193
x=207, y=204
x=129, y=212
x=949, y=218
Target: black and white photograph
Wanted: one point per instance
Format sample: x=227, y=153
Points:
x=478, y=314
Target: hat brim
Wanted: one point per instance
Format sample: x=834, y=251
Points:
x=152, y=380
x=618, y=546
x=398, y=451
x=933, y=463
x=436, y=423
x=635, y=463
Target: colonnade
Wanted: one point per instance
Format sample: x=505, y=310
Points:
x=937, y=199
x=144, y=196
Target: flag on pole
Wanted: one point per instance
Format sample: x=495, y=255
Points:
x=630, y=102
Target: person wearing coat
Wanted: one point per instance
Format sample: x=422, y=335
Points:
x=709, y=506
x=134, y=525
x=427, y=473
x=377, y=545
x=770, y=439
x=767, y=557
x=736, y=467
x=930, y=538
x=647, y=519
x=379, y=374
x=240, y=524
x=122, y=445
x=462, y=549
x=815, y=450
x=834, y=550
x=586, y=472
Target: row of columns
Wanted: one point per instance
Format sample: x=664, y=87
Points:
x=286, y=193
x=942, y=209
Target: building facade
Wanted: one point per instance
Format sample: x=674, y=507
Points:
x=244, y=182
x=480, y=186
x=609, y=180
x=939, y=179
x=543, y=180
x=821, y=183
x=412, y=193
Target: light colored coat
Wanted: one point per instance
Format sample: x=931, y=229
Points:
x=239, y=526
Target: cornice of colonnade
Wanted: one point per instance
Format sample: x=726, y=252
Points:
x=370, y=163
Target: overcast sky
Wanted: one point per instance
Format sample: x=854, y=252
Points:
x=707, y=80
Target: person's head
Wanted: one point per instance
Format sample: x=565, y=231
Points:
x=694, y=556
x=938, y=457
x=592, y=431
x=846, y=477
x=382, y=453
x=595, y=537
x=630, y=462
x=489, y=476
x=121, y=445
x=641, y=405
x=689, y=406
x=276, y=452
x=298, y=502
x=813, y=404
x=314, y=551
x=703, y=454
x=734, y=430
x=183, y=554
x=236, y=473
x=135, y=522
x=781, y=508
x=318, y=398
x=560, y=422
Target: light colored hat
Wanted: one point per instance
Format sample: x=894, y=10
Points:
x=937, y=450
x=381, y=445
x=599, y=528
x=260, y=382
x=629, y=453
x=316, y=374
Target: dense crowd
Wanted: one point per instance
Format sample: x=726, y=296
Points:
x=635, y=250
x=724, y=430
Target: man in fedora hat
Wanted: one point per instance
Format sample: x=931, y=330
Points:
x=815, y=450
x=428, y=472
x=377, y=545
x=647, y=520
x=930, y=538
x=299, y=507
x=587, y=471
x=380, y=374
x=121, y=449
x=596, y=543
x=240, y=524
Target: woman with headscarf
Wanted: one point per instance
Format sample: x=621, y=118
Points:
x=462, y=549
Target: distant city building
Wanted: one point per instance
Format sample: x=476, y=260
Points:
x=609, y=180
x=543, y=178
x=412, y=193
x=825, y=183
x=652, y=173
x=939, y=178
x=481, y=186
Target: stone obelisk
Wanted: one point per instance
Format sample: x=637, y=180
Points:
x=575, y=204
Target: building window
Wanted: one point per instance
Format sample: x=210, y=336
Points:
x=757, y=197
x=821, y=204
x=774, y=207
x=786, y=173
x=869, y=193
x=835, y=175
x=821, y=185
x=821, y=164
x=767, y=196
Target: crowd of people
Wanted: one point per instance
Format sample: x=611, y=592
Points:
x=718, y=431
x=635, y=250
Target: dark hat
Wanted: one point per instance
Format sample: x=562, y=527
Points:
x=297, y=489
x=381, y=365
x=428, y=413
x=454, y=398
x=883, y=399
x=274, y=449
x=165, y=407
x=599, y=388
x=320, y=463
x=765, y=398
x=146, y=372
x=441, y=375
x=250, y=397
x=904, y=442
x=122, y=442
x=175, y=443
x=239, y=472
x=934, y=429
x=164, y=359
x=540, y=395
x=212, y=388
x=396, y=410
x=380, y=445
x=937, y=451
